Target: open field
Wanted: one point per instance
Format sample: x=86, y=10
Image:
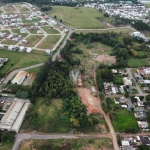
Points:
x=9, y=42
x=33, y=40
x=117, y=30
x=34, y=31
x=147, y=5
x=136, y=62
x=18, y=32
x=19, y=60
x=6, y=146
x=124, y=120
x=49, y=30
x=67, y=144
x=51, y=119
x=9, y=8
x=49, y=42
x=35, y=70
x=79, y=17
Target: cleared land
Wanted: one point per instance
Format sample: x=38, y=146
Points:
x=33, y=20
x=49, y=30
x=19, y=60
x=64, y=144
x=79, y=17
x=33, y=40
x=49, y=42
x=117, y=30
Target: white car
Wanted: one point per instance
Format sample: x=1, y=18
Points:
x=64, y=136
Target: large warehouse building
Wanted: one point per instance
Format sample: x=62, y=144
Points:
x=14, y=116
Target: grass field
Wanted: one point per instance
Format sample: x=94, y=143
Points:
x=79, y=17
x=18, y=32
x=147, y=5
x=34, y=31
x=33, y=20
x=136, y=62
x=20, y=60
x=6, y=146
x=49, y=30
x=118, y=30
x=6, y=31
x=49, y=42
x=33, y=40
x=124, y=120
x=67, y=144
x=9, y=42
x=35, y=70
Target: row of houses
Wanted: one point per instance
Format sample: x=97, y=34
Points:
x=132, y=143
x=129, y=11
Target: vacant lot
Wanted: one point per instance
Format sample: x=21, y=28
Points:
x=124, y=120
x=9, y=42
x=33, y=20
x=79, y=17
x=6, y=31
x=33, y=40
x=118, y=30
x=18, y=32
x=64, y=144
x=49, y=42
x=9, y=8
x=49, y=30
x=19, y=60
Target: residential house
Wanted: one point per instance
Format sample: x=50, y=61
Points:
x=123, y=99
x=48, y=51
x=127, y=81
x=142, y=124
x=116, y=100
x=28, y=50
x=39, y=32
x=21, y=48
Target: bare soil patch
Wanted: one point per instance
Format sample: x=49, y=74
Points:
x=91, y=102
x=105, y=58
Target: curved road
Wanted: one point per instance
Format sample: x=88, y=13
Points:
x=13, y=73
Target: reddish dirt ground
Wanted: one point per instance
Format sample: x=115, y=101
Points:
x=91, y=102
x=104, y=58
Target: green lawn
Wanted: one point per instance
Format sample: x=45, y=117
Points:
x=6, y=31
x=33, y=20
x=34, y=31
x=136, y=62
x=6, y=146
x=147, y=5
x=67, y=144
x=20, y=60
x=118, y=80
x=121, y=30
x=49, y=30
x=48, y=117
x=49, y=42
x=33, y=40
x=18, y=32
x=79, y=17
x=124, y=120
x=35, y=70
x=9, y=42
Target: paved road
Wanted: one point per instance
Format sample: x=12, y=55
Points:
x=21, y=137
x=140, y=92
x=13, y=73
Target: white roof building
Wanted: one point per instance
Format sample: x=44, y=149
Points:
x=29, y=49
x=146, y=71
x=14, y=116
x=19, y=78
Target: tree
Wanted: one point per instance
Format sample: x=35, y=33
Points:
x=74, y=122
x=126, y=94
x=60, y=20
x=143, y=147
x=55, y=17
x=101, y=95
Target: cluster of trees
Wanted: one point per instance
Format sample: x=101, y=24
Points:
x=46, y=8
x=103, y=75
x=6, y=136
x=77, y=113
x=22, y=94
x=138, y=24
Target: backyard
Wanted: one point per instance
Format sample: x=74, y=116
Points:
x=67, y=144
x=49, y=42
x=19, y=60
x=79, y=17
x=18, y=32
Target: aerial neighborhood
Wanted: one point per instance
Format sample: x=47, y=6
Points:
x=75, y=75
